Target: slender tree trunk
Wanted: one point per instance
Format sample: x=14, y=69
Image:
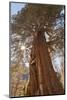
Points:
x=43, y=79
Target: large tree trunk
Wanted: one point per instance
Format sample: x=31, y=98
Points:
x=43, y=79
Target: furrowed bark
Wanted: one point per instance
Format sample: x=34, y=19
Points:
x=43, y=79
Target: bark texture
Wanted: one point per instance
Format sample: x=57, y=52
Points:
x=43, y=79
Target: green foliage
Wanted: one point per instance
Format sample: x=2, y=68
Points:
x=34, y=12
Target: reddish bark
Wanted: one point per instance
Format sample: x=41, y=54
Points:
x=43, y=79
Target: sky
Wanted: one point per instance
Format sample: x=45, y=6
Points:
x=15, y=7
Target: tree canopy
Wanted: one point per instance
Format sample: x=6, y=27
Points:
x=48, y=19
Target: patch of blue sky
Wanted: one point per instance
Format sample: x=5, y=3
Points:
x=15, y=7
x=62, y=12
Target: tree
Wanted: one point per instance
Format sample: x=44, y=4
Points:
x=38, y=20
